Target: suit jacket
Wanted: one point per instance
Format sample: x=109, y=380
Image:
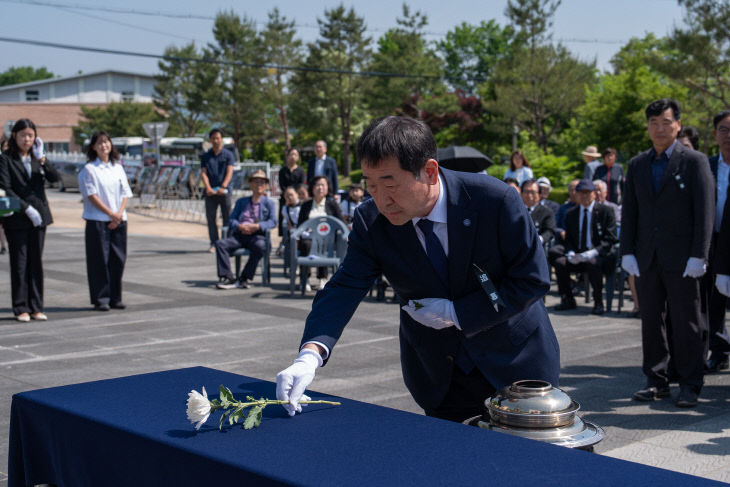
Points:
x=488, y=225
x=616, y=186
x=330, y=207
x=603, y=230
x=31, y=191
x=267, y=218
x=673, y=223
x=544, y=220
x=330, y=171
x=721, y=263
x=551, y=205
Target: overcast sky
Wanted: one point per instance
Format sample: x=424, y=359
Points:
x=592, y=29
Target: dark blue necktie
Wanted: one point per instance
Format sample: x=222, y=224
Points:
x=435, y=251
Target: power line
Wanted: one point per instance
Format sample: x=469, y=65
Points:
x=176, y=15
x=118, y=52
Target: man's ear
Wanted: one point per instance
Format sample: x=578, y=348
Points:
x=432, y=171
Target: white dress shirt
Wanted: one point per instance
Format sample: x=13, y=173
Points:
x=319, y=167
x=26, y=164
x=589, y=209
x=438, y=217
x=108, y=182
x=723, y=173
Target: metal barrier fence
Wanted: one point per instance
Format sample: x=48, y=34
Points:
x=177, y=192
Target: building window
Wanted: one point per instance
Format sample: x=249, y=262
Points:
x=127, y=95
x=31, y=95
x=58, y=146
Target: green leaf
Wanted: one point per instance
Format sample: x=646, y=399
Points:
x=249, y=398
x=253, y=419
x=226, y=395
x=223, y=418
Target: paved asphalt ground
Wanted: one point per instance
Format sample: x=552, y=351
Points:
x=176, y=318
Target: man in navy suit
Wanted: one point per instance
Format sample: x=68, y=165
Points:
x=323, y=165
x=666, y=226
x=463, y=256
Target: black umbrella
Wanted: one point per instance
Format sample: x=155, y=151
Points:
x=463, y=158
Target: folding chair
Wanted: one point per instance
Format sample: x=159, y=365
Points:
x=329, y=246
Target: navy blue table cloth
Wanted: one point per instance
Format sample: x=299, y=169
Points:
x=133, y=431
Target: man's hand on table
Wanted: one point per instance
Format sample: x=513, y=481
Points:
x=294, y=380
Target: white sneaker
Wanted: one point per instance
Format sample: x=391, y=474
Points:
x=322, y=282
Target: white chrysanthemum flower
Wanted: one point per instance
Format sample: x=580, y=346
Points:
x=198, y=407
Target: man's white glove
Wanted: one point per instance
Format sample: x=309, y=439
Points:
x=574, y=258
x=588, y=255
x=695, y=268
x=294, y=380
x=436, y=313
x=629, y=264
x=722, y=282
x=34, y=216
x=38, y=148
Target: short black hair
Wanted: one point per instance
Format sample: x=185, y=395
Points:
x=692, y=134
x=609, y=150
x=527, y=182
x=512, y=181
x=408, y=140
x=314, y=180
x=720, y=117
x=215, y=131
x=657, y=107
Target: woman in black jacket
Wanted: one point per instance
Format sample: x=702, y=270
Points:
x=321, y=204
x=23, y=173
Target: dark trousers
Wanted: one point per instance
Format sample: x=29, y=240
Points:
x=26, y=268
x=465, y=397
x=211, y=211
x=256, y=245
x=305, y=247
x=716, y=303
x=686, y=348
x=106, y=254
x=563, y=268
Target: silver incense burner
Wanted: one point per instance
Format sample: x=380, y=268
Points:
x=535, y=409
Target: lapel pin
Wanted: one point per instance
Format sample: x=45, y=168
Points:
x=467, y=222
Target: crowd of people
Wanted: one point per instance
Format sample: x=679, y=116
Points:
x=665, y=221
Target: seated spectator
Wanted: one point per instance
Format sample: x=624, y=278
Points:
x=289, y=216
x=560, y=215
x=545, y=187
x=541, y=215
x=251, y=217
x=302, y=192
x=519, y=168
x=590, y=236
x=601, y=193
x=355, y=197
x=321, y=204
x=513, y=182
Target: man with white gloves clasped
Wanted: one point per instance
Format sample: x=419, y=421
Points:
x=666, y=225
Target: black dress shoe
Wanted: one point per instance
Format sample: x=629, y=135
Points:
x=102, y=307
x=687, y=397
x=565, y=305
x=718, y=362
x=650, y=393
x=598, y=309
x=118, y=305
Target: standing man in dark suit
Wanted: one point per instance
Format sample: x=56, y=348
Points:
x=720, y=167
x=666, y=225
x=543, y=218
x=722, y=256
x=463, y=257
x=323, y=165
x=217, y=170
x=590, y=236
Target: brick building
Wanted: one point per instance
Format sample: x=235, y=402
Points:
x=54, y=104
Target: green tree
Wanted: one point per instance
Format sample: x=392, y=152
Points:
x=183, y=89
x=404, y=50
x=281, y=48
x=122, y=119
x=532, y=19
x=328, y=103
x=237, y=102
x=23, y=74
x=470, y=53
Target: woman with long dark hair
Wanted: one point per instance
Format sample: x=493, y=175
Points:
x=23, y=173
x=519, y=168
x=104, y=186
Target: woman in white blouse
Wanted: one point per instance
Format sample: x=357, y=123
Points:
x=519, y=168
x=104, y=186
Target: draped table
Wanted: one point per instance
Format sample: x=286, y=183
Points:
x=133, y=431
